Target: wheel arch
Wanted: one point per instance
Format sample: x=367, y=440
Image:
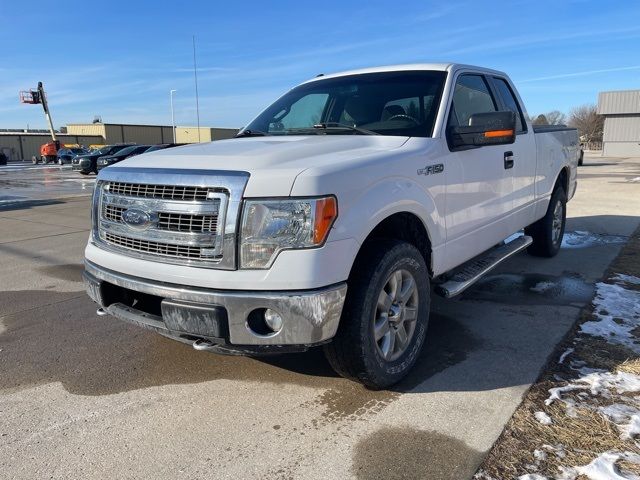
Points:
x=405, y=226
x=562, y=180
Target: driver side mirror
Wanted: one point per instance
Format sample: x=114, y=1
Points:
x=489, y=128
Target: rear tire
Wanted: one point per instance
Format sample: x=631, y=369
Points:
x=385, y=316
x=547, y=232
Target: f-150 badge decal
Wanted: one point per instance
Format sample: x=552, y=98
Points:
x=431, y=169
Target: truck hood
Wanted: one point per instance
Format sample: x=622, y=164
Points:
x=273, y=162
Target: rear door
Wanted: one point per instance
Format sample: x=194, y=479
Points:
x=479, y=187
x=524, y=154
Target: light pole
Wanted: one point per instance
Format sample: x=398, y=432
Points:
x=173, y=121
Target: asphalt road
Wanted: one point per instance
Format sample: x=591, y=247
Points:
x=83, y=396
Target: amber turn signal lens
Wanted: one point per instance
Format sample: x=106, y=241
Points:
x=498, y=133
x=326, y=213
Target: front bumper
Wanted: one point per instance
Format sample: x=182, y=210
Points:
x=310, y=317
x=83, y=165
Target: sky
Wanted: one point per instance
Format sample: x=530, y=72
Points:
x=119, y=59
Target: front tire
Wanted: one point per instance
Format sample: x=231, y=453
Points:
x=385, y=316
x=547, y=232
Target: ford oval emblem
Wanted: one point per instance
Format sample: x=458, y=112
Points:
x=137, y=218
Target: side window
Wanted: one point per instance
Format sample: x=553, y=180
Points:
x=471, y=95
x=304, y=113
x=510, y=101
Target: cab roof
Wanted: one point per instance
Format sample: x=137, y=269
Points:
x=442, y=67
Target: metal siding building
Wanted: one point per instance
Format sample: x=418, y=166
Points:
x=149, y=134
x=621, y=110
x=23, y=146
x=19, y=145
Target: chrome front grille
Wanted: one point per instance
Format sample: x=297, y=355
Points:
x=177, y=222
x=156, y=248
x=174, y=223
x=178, y=216
x=165, y=192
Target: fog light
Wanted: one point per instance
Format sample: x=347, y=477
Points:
x=273, y=320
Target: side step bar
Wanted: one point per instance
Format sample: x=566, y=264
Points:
x=470, y=272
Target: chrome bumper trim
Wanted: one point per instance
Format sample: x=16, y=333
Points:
x=309, y=316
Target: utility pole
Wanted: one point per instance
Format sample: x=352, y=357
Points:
x=195, y=75
x=173, y=120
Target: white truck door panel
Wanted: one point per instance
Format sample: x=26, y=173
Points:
x=479, y=187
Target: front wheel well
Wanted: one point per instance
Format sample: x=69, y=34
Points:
x=403, y=226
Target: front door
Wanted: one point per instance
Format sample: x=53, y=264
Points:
x=479, y=182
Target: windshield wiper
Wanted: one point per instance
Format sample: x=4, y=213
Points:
x=251, y=133
x=342, y=126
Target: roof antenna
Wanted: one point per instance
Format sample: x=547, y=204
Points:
x=195, y=75
x=320, y=75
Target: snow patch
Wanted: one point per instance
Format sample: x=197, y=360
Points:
x=617, y=310
x=582, y=239
x=539, y=455
x=598, y=383
x=636, y=179
x=543, y=418
x=565, y=354
x=602, y=468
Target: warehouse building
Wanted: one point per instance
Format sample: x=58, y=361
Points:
x=119, y=133
x=22, y=145
x=621, y=110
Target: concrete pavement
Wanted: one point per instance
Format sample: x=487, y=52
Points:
x=91, y=397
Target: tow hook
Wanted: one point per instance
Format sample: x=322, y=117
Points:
x=202, y=344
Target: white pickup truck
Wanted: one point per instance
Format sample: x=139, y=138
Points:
x=332, y=217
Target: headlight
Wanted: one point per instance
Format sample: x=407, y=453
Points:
x=270, y=226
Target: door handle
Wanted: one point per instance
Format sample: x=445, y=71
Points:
x=508, y=160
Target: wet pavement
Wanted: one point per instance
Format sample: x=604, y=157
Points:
x=83, y=396
x=25, y=182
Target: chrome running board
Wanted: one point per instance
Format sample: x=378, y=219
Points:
x=472, y=271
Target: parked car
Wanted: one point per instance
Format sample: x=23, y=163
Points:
x=88, y=162
x=120, y=155
x=330, y=217
x=162, y=146
x=65, y=155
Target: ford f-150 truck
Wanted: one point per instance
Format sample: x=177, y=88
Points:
x=333, y=217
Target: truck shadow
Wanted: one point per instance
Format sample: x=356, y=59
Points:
x=64, y=341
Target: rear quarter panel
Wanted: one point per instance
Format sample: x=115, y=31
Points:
x=555, y=150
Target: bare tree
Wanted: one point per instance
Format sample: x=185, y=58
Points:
x=590, y=125
x=540, y=120
x=554, y=117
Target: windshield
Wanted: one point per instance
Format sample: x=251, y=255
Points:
x=126, y=150
x=78, y=150
x=117, y=149
x=160, y=146
x=388, y=103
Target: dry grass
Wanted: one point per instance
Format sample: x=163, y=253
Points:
x=589, y=433
x=630, y=366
